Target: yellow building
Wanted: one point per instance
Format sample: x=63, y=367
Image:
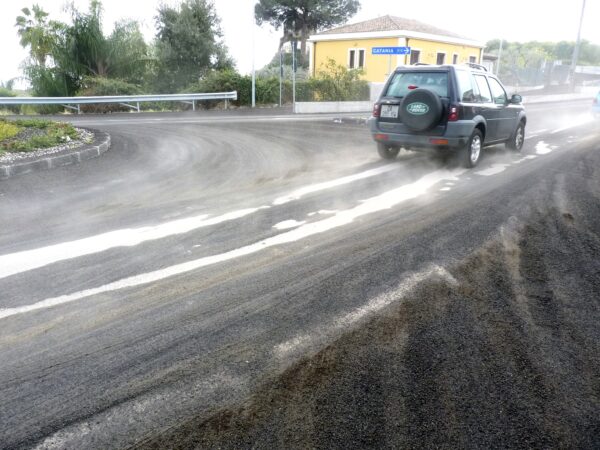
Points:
x=352, y=45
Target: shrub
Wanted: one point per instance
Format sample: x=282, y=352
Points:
x=5, y=92
x=100, y=86
x=8, y=130
x=334, y=82
x=224, y=81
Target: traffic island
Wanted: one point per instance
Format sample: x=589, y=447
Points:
x=30, y=145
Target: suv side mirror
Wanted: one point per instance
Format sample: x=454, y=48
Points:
x=516, y=99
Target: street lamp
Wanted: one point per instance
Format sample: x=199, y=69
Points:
x=576, y=51
x=253, y=67
x=295, y=35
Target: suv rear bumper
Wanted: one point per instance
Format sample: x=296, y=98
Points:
x=456, y=136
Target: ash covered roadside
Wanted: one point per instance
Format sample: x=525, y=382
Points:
x=507, y=357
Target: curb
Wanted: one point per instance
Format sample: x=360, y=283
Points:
x=534, y=99
x=100, y=145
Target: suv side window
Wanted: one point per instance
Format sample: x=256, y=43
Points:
x=466, y=91
x=498, y=92
x=485, y=96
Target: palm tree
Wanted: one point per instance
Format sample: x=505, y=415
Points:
x=37, y=33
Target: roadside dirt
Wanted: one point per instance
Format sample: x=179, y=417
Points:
x=508, y=358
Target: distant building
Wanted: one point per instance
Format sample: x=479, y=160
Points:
x=490, y=62
x=351, y=45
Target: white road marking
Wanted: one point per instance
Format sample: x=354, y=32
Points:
x=495, y=169
x=375, y=305
x=299, y=193
x=541, y=148
x=147, y=408
x=287, y=224
x=445, y=189
x=525, y=158
x=381, y=202
x=322, y=212
x=14, y=263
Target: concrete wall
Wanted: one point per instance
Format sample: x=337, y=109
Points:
x=375, y=90
x=332, y=107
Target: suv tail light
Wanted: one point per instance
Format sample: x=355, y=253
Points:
x=376, y=110
x=453, y=113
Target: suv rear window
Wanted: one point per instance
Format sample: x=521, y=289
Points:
x=434, y=81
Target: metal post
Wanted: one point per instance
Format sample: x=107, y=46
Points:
x=226, y=104
x=253, y=69
x=138, y=106
x=193, y=105
x=576, y=51
x=499, y=56
x=78, y=109
x=280, y=77
x=294, y=76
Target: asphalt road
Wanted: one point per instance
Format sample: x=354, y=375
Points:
x=237, y=281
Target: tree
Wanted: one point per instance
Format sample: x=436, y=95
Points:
x=188, y=43
x=301, y=18
x=37, y=33
x=63, y=55
x=86, y=51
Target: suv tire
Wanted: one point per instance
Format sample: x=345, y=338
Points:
x=387, y=151
x=471, y=153
x=515, y=142
x=421, y=121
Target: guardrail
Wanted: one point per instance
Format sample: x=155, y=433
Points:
x=124, y=100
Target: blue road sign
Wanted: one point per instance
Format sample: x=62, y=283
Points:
x=390, y=51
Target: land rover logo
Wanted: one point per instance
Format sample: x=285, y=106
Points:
x=417, y=108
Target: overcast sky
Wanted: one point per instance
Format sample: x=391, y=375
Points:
x=517, y=20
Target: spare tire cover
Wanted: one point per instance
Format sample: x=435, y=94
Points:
x=421, y=109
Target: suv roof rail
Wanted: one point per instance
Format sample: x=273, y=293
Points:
x=421, y=64
x=476, y=66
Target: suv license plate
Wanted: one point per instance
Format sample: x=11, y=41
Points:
x=389, y=111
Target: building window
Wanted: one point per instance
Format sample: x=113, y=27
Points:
x=356, y=58
x=441, y=59
x=473, y=59
x=455, y=59
x=415, y=55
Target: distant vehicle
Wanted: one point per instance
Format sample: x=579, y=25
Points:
x=453, y=109
x=596, y=106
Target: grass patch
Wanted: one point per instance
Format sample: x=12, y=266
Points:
x=42, y=134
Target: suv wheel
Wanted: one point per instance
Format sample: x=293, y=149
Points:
x=471, y=153
x=387, y=151
x=515, y=142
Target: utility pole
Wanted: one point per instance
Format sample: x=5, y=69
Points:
x=294, y=75
x=253, y=68
x=576, y=51
x=281, y=76
x=499, y=57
